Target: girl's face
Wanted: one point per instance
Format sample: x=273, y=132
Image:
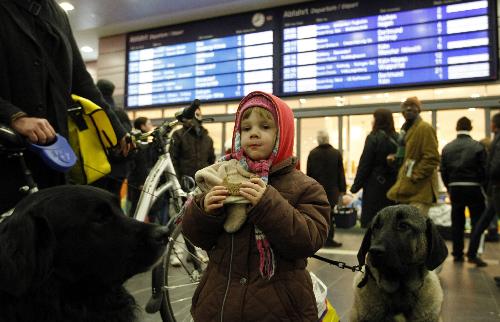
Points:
x=258, y=136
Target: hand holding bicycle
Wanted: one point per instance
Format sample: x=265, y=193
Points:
x=253, y=190
x=214, y=199
x=37, y=130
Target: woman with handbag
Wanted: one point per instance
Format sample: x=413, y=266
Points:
x=375, y=175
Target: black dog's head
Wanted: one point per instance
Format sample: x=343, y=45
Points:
x=399, y=239
x=77, y=236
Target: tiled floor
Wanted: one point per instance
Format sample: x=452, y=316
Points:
x=470, y=293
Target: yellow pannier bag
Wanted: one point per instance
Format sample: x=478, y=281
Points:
x=90, y=135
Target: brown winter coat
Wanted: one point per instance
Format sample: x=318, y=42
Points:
x=421, y=146
x=293, y=213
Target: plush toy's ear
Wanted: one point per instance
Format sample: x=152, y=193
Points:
x=26, y=253
x=365, y=246
x=436, y=247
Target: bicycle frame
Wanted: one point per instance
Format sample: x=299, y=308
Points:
x=151, y=191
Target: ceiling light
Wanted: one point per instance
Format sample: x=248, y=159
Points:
x=67, y=6
x=302, y=100
x=475, y=95
x=86, y=49
x=471, y=109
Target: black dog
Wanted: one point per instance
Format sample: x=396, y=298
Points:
x=65, y=253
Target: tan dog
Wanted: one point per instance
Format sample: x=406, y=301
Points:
x=401, y=249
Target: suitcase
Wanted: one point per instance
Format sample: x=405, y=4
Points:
x=345, y=217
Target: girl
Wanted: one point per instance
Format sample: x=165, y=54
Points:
x=258, y=272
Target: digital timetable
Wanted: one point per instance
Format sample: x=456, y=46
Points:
x=314, y=47
x=441, y=43
x=210, y=60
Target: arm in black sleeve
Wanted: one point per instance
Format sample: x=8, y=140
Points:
x=211, y=153
x=83, y=85
x=342, y=184
x=444, y=168
x=365, y=165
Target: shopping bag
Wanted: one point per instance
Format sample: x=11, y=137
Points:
x=326, y=312
x=91, y=135
x=345, y=217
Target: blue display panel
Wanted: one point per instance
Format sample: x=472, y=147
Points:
x=218, y=59
x=314, y=47
x=341, y=46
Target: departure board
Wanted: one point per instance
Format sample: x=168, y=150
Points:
x=341, y=45
x=217, y=59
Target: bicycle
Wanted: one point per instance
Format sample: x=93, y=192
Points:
x=172, y=287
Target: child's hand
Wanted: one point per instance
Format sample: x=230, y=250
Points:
x=253, y=190
x=214, y=199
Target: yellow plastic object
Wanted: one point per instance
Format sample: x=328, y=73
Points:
x=330, y=315
x=90, y=135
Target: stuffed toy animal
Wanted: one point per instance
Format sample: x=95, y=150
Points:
x=231, y=175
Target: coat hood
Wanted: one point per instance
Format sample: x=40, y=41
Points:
x=285, y=122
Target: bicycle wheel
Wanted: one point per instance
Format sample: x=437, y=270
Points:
x=183, y=265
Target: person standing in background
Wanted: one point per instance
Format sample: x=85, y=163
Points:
x=374, y=175
x=325, y=165
x=144, y=160
x=120, y=165
x=463, y=170
x=37, y=77
x=417, y=182
x=191, y=148
x=493, y=188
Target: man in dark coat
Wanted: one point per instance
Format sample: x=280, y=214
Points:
x=463, y=170
x=40, y=66
x=493, y=177
x=120, y=166
x=192, y=148
x=325, y=165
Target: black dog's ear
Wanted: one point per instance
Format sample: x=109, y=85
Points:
x=26, y=253
x=436, y=247
x=365, y=246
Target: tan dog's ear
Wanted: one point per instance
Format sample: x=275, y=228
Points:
x=436, y=247
x=365, y=246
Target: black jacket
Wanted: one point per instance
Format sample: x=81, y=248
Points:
x=373, y=162
x=493, y=168
x=25, y=84
x=191, y=152
x=374, y=175
x=27, y=42
x=463, y=160
x=325, y=165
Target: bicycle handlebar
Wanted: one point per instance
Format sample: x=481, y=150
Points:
x=188, y=112
x=166, y=127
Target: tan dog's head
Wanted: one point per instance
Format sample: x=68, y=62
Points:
x=399, y=245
